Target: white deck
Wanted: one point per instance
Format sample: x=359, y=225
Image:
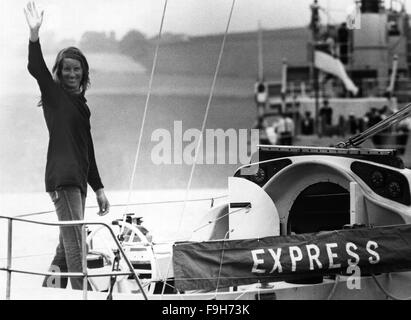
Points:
x=397, y=284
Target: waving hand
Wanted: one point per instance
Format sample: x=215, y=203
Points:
x=34, y=19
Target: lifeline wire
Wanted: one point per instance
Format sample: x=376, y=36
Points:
x=204, y=123
x=128, y=204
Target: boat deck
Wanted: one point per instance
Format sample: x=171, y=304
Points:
x=396, y=284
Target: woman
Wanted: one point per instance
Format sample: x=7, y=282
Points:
x=70, y=158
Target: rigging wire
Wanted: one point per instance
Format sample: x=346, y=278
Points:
x=334, y=288
x=206, y=114
x=245, y=292
x=145, y=108
x=219, y=218
x=204, y=121
x=221, y=262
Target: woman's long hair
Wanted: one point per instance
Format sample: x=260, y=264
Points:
x=72, y=53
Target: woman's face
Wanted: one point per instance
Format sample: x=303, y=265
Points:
x=71, y=73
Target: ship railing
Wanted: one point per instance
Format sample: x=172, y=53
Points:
x=370, y=87
x=84, y=274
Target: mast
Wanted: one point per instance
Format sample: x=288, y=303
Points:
x=260, y=86
x=283, y=86
x=315, y=28
x=260, y=54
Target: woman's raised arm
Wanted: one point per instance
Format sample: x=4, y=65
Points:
x=34, y=20
x=36, y=66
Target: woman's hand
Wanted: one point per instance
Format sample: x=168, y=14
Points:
x=103, y=203
x=34, y=20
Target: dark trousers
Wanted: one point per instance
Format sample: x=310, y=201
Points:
x=69, y=203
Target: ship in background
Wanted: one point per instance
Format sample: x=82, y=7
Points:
x=361, y=68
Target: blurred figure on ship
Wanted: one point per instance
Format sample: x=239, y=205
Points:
x=261, y=125
x=353, y=125
x=307, y=124
x=285, y=130
x=325, y=117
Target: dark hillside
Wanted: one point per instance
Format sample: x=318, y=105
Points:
x=198, y=55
